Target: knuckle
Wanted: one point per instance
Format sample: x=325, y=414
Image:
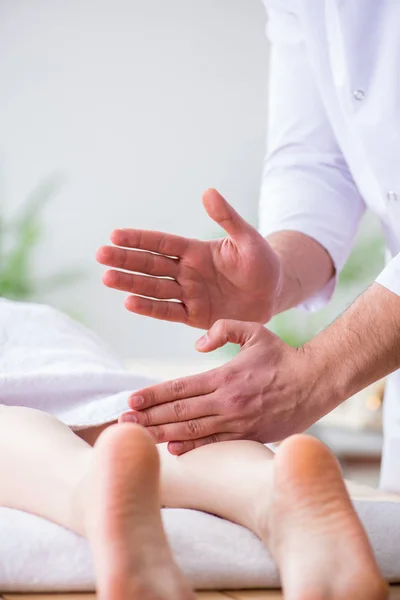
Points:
x=124, y=259
x=145, y=418
x=149, y=398
x=152, y=309
x=235, y=399
x=180, y=410
x=248, y=376
x=190, y=445
x=228, y=377
x=213, y=439
x=220, y=326
x=113, y=278
x=157, y=287
x=169, y=310
x=233, y=407
x=149, y=263
x=158, y=433
x=131, y=281
x=161, y=245
x=178, y=387
x=194, y=427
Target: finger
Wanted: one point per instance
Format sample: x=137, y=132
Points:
x=178, y=448
x=157, y=309
x=187, y=430
x=155, y=241
x=145, y=286
x=172, y=412
x=176, y=389
x=141, y=262
x=227, y=330
x=225, y=215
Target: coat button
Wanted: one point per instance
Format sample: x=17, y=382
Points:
x=359, y=95
x=392, y=196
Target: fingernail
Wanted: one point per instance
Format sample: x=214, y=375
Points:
x=202, y=341
x=136, y=401
x=129, y=418
x=175, y=447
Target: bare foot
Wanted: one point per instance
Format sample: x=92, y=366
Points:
x=313, y=531
x=123, y=522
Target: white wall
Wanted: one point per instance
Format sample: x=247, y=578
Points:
x=140, y=104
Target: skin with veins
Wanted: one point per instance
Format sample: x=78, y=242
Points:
x=296, y=502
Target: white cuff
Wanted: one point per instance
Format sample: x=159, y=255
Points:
x=290, y=206
x=390, y=276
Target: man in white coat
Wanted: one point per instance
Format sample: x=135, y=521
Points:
x=334, y=140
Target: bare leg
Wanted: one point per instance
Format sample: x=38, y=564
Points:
x=297, y=504
x=41, y=461
x=110, y=494
x=233, y=480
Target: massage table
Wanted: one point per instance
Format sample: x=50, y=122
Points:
x=217, y=595
x=239, y=595
x=56, y=365
x=37, y=556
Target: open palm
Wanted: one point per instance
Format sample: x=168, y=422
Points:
x=191, y=281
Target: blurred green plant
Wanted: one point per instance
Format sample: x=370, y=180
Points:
x=364, y=262
x=19, y=238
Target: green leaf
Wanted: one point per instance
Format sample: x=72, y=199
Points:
x=18, y=240
x=36, y=202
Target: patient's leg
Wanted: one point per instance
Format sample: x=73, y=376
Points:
x=109, y=494
x=297, y=504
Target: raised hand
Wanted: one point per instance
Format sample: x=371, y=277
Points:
x=191, y=281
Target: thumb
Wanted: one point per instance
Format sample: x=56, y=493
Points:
x=222, y=213
x=226, y=330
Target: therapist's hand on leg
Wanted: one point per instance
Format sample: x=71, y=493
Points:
x=263, y=394
x=237, y=277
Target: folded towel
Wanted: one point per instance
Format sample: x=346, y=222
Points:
x=36, y=555
x=51, y=363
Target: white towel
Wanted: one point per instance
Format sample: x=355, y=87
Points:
x=51, y=363
x=36, y=555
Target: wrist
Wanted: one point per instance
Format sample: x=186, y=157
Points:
x=288, y=288
x=296, y=252
x=342, y=357
x=326, y=382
